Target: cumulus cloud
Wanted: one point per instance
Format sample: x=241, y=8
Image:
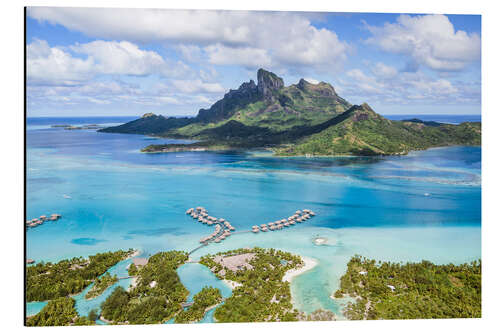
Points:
x=384, y=84
x=384, y=71
x=52, y=65
x=245, y=56
x=81, y=62
x=251, y=39
x=430, y=40
x=120, y=58
x=197, y=86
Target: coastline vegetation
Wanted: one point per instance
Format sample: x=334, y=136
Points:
x=101, y=284
x=59, y=312
x=263, y=295
x=156, y=297
x=202, y=302
x=385, y=290
x=317, y=315
x=47, y=281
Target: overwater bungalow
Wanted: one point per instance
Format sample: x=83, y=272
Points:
x=209, y=222
x=286, y=224
x=264, y=229
x=189, y=211
x=263, y=225
x=270, y=224
x=292, y=222
x=217, y=240
x=298, y=212
x=290, y=218
x=232, y=228
x=43, y=217
x=255, y=230
x=221, y=220
x=30, y=261
x=312, y=213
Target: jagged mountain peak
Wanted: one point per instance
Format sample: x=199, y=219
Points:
x=267, y=82
x=321, y=88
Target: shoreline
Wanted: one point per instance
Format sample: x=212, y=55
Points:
x=309, y=263
x=232, y=284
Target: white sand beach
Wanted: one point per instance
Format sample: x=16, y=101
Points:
x=232, y=284
x=133, y=254
x=133, y=283
x=309, y=263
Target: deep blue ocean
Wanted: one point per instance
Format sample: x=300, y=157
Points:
x=426, y=205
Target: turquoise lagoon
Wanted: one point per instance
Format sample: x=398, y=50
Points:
x=426, y=205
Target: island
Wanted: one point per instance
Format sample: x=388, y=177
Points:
x=156, y=297
x=302, y=119
x=385, y=290
x=203, y=301
x=59, y=312
x=260, y=282
x=48, y=281
x=262, y=293
x=101, y=284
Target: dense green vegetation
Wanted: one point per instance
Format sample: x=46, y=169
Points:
x=263, y=295
x=385, y=290
x=46, y=281
x=132, y=270
x=101, y=284
x=360, y=131
x=156, y=297
x=58, y=312
x=317, y=315
x=202, y=302
x=149, y=124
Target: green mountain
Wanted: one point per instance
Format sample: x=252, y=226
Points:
x=361, y=131
x=149, y=124
x=301, y=119
x=266, y=104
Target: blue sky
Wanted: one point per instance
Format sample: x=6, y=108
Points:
x=88, y=62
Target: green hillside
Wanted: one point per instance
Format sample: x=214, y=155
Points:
x=361, y=131
x=267, y=104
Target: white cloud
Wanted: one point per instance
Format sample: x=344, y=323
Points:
x=197, y=86
x=365, y=83
x=430, y=40
x=405, y=88
x=120, y=58
x=49, y=65
x=245, y=56
x=255, y=38
x=384, y=71
x=79, y=63
x=311, y=80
